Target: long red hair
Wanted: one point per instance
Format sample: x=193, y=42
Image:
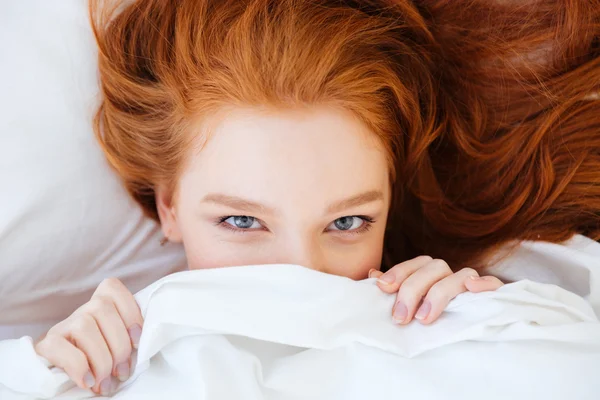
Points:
x=520, y=158
x=489, y=111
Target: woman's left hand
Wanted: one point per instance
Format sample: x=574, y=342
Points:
x=425, y=286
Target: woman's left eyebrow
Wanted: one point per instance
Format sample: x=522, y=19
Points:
x=355, y=201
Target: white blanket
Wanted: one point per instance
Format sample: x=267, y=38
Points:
x=285, y=332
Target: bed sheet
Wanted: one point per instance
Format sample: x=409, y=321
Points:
x=285, y=332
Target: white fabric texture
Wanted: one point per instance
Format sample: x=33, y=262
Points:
x=286, y=332
x=66, y=222
x=573, y=265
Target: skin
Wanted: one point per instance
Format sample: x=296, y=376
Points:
x=307, y=187
x=333, y=167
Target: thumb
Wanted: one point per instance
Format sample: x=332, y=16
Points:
x=374, y=273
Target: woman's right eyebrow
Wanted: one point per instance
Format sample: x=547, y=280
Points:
x=238, y=203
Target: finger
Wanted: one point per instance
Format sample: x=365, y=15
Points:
x=63, y=354
x=390, y=281
x=482, y=284
x=375, y=273
x=85, y=334
x=440, y=294
x=415, y=287
x=115, y=334
x=126, y=306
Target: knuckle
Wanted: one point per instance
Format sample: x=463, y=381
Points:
x=99, y=304
x=400, y=275
x=400, y=271
x=425, y=258
x=102, y=370
x=438, y=293
x=106, y=365
x=102, y=365
x=109, y=285
x=122, y=352
x=468, y=271
x=82, y=324
x=78, y=364
x=121, y=349
x=440, y=264
x=493, y=282
x=44, y=345
x=410, y=293
x=56, y=330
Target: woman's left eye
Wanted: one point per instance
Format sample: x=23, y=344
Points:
x=242, y=222
x=347, y=224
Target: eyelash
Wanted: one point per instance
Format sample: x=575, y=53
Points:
x=367, y=225
x=222, y=224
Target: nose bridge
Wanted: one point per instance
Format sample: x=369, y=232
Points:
x=305, y=250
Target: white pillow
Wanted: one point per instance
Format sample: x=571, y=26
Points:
x=66, y=223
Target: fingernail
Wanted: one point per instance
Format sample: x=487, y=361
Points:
x=88, y=380
x=475, y=278
x=106, y=387
x=400, y=313
x=423, y=311
x=123, y=371
x=387, y=278
x=135, y=332
x=371, y=271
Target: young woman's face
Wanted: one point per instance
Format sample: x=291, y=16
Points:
x=308, y=187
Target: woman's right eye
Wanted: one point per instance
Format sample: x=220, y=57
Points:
x=242, y=222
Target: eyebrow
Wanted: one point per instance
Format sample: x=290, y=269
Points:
x=237, y=203
x=249, y=206
x=363, y=198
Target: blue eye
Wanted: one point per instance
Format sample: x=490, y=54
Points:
x=347, y=224
x=243, y=222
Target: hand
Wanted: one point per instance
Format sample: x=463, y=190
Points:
x=429, y=285
x=94, y=344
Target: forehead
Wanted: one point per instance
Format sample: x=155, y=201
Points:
x=291, y=151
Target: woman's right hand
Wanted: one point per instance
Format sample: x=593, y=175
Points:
x=93, y=345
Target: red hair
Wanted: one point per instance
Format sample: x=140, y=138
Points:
x=520, y=159
x=486, y=145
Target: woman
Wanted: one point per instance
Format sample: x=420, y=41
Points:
x=264, y=131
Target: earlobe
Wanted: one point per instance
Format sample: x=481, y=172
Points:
x=168, y=217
